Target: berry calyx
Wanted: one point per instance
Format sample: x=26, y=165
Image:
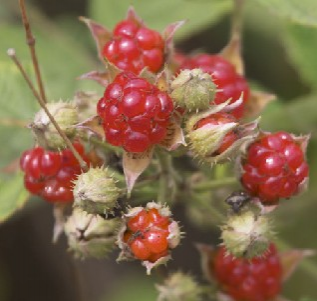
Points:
x=90, y=235
x=247, y=234
x=258, y=279
x=274, y=167
x=230, y=85
x=134, y=46
x=95, y=191
x=65, y=114
x=135, y=113
x=220, y=119
x=50, y=174
x=149, y=235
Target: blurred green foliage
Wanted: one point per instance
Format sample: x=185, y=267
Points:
x=64, y=50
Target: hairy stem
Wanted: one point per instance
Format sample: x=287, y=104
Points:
x=12, y=54
x=30, y=40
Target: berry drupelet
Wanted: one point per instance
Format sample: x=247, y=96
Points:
x=50, y=174
x=134, y=46
x=229, y=83
x=258, y=279
x=135, y=113
x=274, y=167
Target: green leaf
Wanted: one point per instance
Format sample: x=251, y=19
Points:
x=158, y=14
x=61, y=60
x=13, y=196
x=301, y=45
x=302, y=12
x=298, y=116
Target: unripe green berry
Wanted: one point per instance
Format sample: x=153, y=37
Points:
x=193, y=90
x=66, y=116
x=247, y=234
x=90, y=235
x=179, y=287
x=95, y=191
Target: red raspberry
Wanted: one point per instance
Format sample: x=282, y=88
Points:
x=50, y=174
x=230, y=84
x=274, y=167
x=258, y=279
x=147, y=235
x=134, y=47
x=220, y=119
x=135, y=113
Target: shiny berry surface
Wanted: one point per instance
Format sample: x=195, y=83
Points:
x=134, y=47
x=258, y=279
x=147, y=235
x=50, y=174
x=274, y=167
x=229, y=83
x=220, y=119
x=135, y=113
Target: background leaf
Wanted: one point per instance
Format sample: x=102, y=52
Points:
x=301, y=45
x=303, y=12
x=158, y=14
x=12, y=196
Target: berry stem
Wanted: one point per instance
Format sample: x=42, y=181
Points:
x=12, y=54
x=214, y=184
x=168, y=178
x=30, y=40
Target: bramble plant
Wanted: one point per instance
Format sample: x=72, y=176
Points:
x=168, y=129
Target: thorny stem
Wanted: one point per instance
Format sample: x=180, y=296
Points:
x=30, y=40
x=213, y=184
x=12, y=54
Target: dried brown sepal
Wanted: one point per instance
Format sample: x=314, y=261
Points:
x=100, y=34
x=232, y=53
x=207, y=258
x=168, y=36
x=101, y=78
x=86, y=103
x=59, y=217
x=133, y=166
x=162, y=80
x=93, y=126
x=257, y=103
x=174, y=137
x=291, y=259
x=133, y=16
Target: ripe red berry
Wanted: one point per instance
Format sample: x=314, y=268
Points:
x=134, y=46
x=229, y=83
x=220, y=119
x=135, y=113
x=274, y=167
x=258, y=279
x=50, y=174
x=147, y=235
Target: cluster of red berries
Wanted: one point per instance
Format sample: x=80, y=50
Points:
x=135, y=113
x=258, y=279
x=134, y=47
x=220, y=119
x=274, y=167
x=230, y=85
x=50, y=174
x=147, y=235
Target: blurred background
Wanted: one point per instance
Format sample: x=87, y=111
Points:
x=280, y=57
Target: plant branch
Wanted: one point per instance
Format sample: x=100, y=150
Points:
x=30, y=40
x=12, y=54
x=213, y=184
